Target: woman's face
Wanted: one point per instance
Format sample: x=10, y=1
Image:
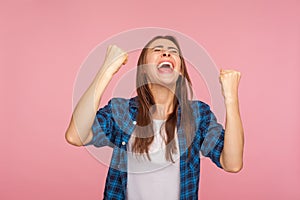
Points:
x=163, y=63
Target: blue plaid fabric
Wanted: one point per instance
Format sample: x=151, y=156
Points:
x=114, y=124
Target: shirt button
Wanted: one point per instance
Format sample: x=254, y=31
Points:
x=123, y=143
x=134, y=122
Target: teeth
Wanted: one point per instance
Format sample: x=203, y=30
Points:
x=165, y=63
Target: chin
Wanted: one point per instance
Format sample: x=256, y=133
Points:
x=168, y=83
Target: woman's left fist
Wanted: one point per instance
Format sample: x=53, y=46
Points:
x=229, y=80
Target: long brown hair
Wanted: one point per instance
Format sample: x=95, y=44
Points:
x=144, y=129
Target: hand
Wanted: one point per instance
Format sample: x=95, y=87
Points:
x=114, y=59
x=229, y=80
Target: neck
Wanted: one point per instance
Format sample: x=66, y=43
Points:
x=163, y=98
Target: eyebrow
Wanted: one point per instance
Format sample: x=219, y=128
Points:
x=161, y=46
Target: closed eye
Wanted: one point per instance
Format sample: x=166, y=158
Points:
x=157, y=49
x=173, y=50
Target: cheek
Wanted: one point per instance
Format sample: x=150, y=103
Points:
x=178, y=63
x=150, y=58
x=147, y=58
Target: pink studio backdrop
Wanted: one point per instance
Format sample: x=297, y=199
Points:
x=43, y=44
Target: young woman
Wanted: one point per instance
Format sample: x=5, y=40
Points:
x=157, y=136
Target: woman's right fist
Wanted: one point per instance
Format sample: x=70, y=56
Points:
x=114, y=59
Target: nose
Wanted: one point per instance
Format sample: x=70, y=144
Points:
x=166, y=54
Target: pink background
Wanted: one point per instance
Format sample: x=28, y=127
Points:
x=43, y=44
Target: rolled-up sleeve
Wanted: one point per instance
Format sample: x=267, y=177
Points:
x=212, y=135
x=102, y=127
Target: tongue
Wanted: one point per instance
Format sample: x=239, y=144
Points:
x=165, y=70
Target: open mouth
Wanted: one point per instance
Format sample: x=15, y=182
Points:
x=165, y=66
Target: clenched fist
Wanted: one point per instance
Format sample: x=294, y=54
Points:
x=114, y=59
x=229, y=80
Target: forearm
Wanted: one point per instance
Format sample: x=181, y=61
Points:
x=232, y=154
x=83, y=116
x=84, y=113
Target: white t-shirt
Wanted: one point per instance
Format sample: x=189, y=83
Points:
x=157, y=179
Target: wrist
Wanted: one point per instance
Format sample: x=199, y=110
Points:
x=106, y=73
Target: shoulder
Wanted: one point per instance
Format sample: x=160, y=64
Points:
x=122, y=105
x=124, y=101
x=199, y=106
x=120, y=101
x=201, y=110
